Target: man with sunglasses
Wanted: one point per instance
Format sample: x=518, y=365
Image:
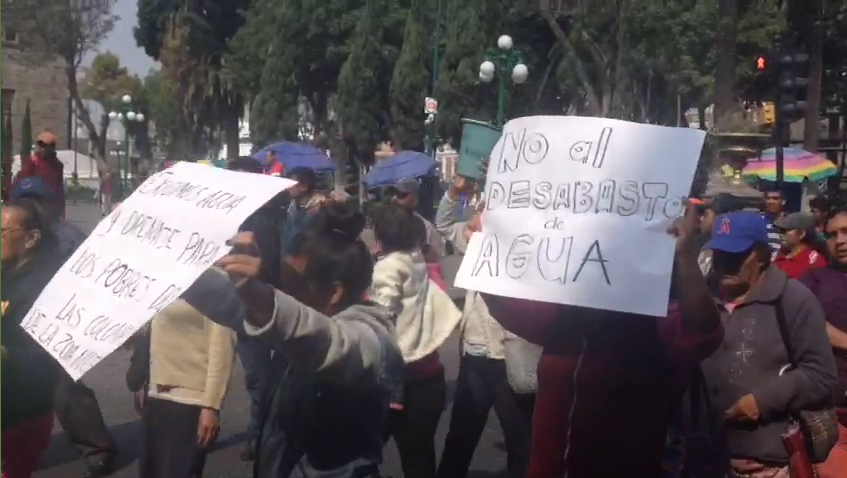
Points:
x=45, y=164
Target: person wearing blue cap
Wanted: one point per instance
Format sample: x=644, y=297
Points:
x=775, y=360
x=68, y=235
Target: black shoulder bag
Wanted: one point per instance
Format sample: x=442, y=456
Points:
x=819, y=427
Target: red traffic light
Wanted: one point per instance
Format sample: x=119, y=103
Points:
x=761, y=63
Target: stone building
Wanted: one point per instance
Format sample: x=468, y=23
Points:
x=26, y=74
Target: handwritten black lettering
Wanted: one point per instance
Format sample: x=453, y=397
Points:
x=551, y=267
x=46, y=337
x=65, y=347
x=84, y=264
x=163, y=184
x=653, y=192
x=222, y=201
x=150, y=230
x=106, y=329
x=629, y=195
x=518, y=195
x=110, y=222
x=518, y=257
x=489, y=257
x=595, y=247
x=594, y=151
x=674, y=208
x=563, y=197
x=170, y=294
x=125, y=281
x=606, y=196
x=543, y=197
x=85, y=360
x=531, y=147
x=583, y=201
x=548, y=257
x=34, y=317
x=555, y=224
x=71, y=313
x=199, y=251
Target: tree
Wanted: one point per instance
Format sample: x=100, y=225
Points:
x=410, y=81
x=171, y=132
x=190, y=38
x=68, y=30
x=26, y=134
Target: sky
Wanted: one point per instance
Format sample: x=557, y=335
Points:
x=121, y=42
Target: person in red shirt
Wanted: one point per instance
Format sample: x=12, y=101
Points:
x=273, y=166
x=800, y=245
x=45, y=164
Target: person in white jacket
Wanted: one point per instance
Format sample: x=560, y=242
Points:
x=425, y=316
x=483, y=382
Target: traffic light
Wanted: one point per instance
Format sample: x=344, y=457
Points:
x=761, y=63
x=791, y=84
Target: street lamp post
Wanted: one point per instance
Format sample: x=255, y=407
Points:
x=127, y=117
x=503, y=62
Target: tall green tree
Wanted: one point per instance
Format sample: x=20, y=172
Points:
x=274, y=116
x=410, y=81
x=363, y=85
x=26, y=133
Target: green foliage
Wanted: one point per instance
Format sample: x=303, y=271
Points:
x=152, y=24
x=26, y=133
x=106, y=81
x=362, y=103
x=410, y=81
x=274, y=115
x=165, y=111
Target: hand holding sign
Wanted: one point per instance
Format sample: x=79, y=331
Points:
x=243, y=261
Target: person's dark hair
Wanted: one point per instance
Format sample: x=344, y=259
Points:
x=244, y=163
x=331, y=241
x=34, y=219
x=821, y=203
x=396, y=229
x=304, y=176
x=836, y=211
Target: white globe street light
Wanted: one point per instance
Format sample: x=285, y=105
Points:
x=113, y=115
x=485, y=78
x=520, y=73
x=505, y=42
x=487, y=68
x=126, y=99
x=130, y=116
x=139, y=117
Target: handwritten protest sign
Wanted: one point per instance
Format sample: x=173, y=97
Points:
x=576, y=212
x=141, y=257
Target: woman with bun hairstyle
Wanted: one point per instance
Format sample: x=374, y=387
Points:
x=326, y=413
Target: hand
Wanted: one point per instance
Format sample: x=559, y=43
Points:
x=208, y=427
x=244, y=261
x=744, y=410
x=461, y=185
x=685, y=228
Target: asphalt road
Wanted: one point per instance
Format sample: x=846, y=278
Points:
x=107, y=380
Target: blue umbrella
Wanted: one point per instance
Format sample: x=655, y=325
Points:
x=297, y=155
x=405, y=164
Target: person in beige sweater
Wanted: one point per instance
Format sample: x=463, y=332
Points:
x=191, y=360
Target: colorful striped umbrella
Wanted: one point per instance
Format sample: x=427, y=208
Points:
x=800, y=166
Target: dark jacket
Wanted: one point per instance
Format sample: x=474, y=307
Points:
x=752, y=355
x=601, y=373
x=830, y=287
x=30, y=374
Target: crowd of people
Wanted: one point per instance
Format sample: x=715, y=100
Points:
x=337, y=320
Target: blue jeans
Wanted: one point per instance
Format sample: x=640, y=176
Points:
x=255, y=356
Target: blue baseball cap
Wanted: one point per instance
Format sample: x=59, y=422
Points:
x=32, y=187
x=738, y=231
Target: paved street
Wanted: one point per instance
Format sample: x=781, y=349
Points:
x=107, y=379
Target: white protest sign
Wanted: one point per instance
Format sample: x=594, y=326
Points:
x=577, y=210
x=141, y=257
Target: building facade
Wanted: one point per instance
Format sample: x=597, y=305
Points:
x=27, y=75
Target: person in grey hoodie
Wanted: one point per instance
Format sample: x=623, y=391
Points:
x=761, y=375
x=327, y=411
